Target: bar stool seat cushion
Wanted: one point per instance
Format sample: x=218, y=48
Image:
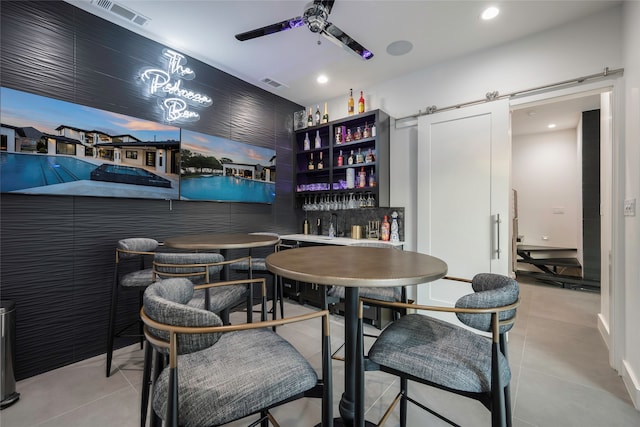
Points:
x=137, y=279
x=243, y=373
x=391, y=294
x=257, y=264
x=430, y=349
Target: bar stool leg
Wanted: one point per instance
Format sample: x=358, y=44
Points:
x=158, y=364
x=280, y=295
x=112, y=321
x=146, y=384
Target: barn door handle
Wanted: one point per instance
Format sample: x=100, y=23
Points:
x=498, y=222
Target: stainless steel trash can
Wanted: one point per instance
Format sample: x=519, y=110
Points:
x=7, y=353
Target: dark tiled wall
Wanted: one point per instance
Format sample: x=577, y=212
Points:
x=349, y=217
x=57, y=251
x=591, y=194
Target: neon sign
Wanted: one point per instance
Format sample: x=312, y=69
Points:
x=174, y=99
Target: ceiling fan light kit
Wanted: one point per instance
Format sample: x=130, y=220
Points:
x=316, y=18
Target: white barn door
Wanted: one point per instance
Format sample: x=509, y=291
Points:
x=463, y=204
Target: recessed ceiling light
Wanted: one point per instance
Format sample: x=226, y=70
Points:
x=322, y=79
x=400, y=47
x=490, y=13
x=551, y=125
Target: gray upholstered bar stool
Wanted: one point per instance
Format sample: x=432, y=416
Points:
x=134, y=250
x=201, y=268
x=215, y=386
x=258, y=266
x=196, y=268
x=437, y=353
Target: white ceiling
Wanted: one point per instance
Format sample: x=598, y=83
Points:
x=564, y=113
x=438, y=30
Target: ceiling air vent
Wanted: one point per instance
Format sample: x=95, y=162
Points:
x=272, y=83
x=121, y=11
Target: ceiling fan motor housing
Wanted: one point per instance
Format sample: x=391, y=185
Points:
x=315, y=16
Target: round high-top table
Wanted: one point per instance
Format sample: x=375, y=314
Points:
x=354, y=267
x=223, y=242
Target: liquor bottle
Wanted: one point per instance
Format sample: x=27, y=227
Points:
x=358, y=134
x=366, y=133
x=307, y=142
x=369, y=157
x=350, y=103
x=385, y=229
x=310, y=118
x=305, y=226
x=340, y=159
x=339, y=135
x=311, y=165
x=362, y=178
x=320, y=164
x=395, y=236
x=361, y=103
x=317, y=114
x=359, y=156
x=325, y=116
x=349, y=136
x=350, y=158
x=318, y=142
x=372, y=179
x=373, y=130
x=351, y=178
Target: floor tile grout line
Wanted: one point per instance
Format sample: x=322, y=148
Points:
x=84, y=405
x=569, y=381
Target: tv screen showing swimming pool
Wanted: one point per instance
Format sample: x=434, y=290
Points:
x=214, y=168
x=59, y=148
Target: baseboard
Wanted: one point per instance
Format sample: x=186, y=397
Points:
x=603, y=327
x=631, y=382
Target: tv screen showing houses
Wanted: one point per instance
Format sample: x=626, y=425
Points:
x=55, y=147
x=214, y=168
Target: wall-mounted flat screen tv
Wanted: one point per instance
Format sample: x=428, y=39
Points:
x=59, y=148
x=214, y=168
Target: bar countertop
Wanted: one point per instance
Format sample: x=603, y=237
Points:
x=343, y=241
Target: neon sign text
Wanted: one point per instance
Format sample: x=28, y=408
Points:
x=166, y=84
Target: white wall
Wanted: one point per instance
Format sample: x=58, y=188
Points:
x=544, y=171
x=631, y=298
x=583, y=48
x=609, y=39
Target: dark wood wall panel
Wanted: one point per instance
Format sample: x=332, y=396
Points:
x=38, y=274
x=57, y=251
x=31, y=46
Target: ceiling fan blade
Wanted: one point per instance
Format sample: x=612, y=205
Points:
x=270, y=29
x=343, y=40
x=328, y=4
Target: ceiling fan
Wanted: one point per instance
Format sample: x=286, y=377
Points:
x=315, y=17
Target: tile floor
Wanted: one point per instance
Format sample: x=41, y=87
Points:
x=561, y=377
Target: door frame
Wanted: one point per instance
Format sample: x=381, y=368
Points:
x=612, y=333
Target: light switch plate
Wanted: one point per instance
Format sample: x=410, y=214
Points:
x=630, y=207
